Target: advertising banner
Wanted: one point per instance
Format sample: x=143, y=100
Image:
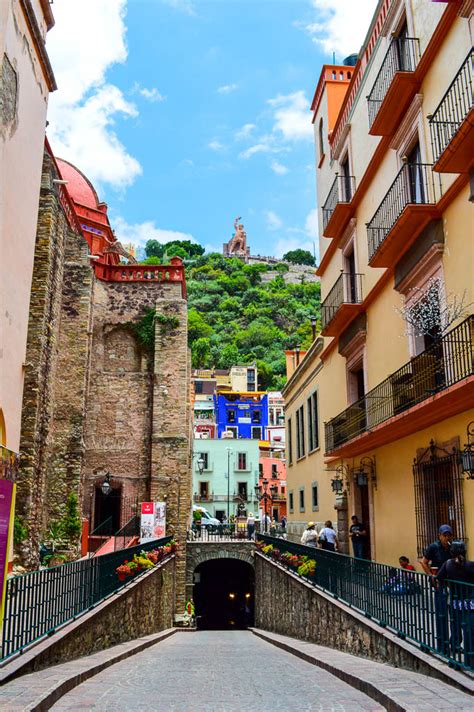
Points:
x=153, y=521
x=7, y=510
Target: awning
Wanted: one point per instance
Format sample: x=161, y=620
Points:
x=201, y=405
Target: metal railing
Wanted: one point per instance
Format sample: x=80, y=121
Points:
x=447, y=361
x=39, y=602
x=437, y=618
x=453, y=107
x=346, y=290
x=342, y=190
x=127, y=533
x=203, y=498
x=415, y=184
x=222, y=532
x=402, y=55
x=98, y=536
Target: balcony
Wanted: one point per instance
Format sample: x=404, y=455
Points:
x=203, y=498
x=337, y=208
x=341, y=304
x=403, y=402
x=394, y=87
x=452, y=124
x=405, y=211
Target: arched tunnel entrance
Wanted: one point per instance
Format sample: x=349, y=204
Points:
x=224, y=594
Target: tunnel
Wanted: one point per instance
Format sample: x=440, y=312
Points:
x=224, y=594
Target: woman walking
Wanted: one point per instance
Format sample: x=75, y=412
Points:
x=310, y=537
x=328, y=537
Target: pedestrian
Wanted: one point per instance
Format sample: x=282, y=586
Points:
x=251, y=526
x=457, y=572
x=358, y=534
x=328, y=537
x=265, y=523
x=310, y=536
x=434, y=557
x=283, y=523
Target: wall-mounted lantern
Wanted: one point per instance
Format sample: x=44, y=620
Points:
x=366, y=472
x=467, y=455
x=106, y=487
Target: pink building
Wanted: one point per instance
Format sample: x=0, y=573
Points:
x=27, y=80
x=272, y=468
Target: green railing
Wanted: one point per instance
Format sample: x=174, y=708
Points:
x=439, y=619
x=39, y=602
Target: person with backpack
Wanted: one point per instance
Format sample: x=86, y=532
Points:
x=455, y=573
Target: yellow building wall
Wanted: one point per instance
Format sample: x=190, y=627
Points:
x=394, y=523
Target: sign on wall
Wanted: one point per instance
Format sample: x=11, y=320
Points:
x=153, y=521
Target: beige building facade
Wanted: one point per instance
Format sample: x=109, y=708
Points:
x=394, y=365
x=25, y=82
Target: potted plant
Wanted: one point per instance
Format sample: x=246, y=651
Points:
x=123, y=571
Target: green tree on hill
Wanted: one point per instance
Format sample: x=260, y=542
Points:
x=300, y=257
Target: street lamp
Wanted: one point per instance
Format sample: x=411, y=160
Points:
x=366, y=470
x=200, y=463
x=266, y=497
x=341, y=477
x=467, y=455
x=314, y=321
x=106, y=486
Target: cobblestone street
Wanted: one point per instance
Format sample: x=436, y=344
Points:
x=215, y=670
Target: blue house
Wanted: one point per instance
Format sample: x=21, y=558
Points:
x=244, y=414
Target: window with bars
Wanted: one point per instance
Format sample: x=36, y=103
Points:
x=438, y=496
x=313, y=424
x=300, y=441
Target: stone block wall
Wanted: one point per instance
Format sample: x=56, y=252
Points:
x=287, y=605
x=171, y=477
x=145, y=606
x=42, y=355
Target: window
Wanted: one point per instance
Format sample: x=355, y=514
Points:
x=198, y=387
x=346, y=187
x=290, y=443
x=231, y=416
x=283, y=490
x=242, y=461
x=251, y=379
x=274, y=470
x=256, y=416
x=314, y=496
x=300, y=443
x=256, y=433
x=242, y=490
x=290, y=501
x=313, y=426
x=301, y=499
x=204, y=490
x=203, y=456
x=321, y=138
x=260, y=469
x=232, y=430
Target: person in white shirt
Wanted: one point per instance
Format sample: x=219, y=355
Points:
x=328, y=537
x=310, y=536
x=251, y=526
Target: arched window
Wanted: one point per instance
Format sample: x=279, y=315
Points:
x=321, y=138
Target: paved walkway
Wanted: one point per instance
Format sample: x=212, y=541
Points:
x=215, y=670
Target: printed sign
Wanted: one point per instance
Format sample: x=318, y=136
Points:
x=153, y=521
x=245, y=420
x=7, y=509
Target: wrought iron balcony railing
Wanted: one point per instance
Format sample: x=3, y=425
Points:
x=447, y=361
x=402, y=55
x=341, y=191
x=346, y=290
x=453, y=108
x=415, y=184
x=203, y=498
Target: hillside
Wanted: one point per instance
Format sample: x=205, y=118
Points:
x=236, y=316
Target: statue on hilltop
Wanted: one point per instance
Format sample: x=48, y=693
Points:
x=237, y=245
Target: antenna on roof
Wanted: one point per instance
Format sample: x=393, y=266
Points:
x=334, y=58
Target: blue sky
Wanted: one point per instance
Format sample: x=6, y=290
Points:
x=187, y=113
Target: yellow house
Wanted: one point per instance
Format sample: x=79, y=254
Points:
x=393, y=367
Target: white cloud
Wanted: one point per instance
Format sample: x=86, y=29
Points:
x=152, y=94
x=274, y=221
x=186, y=6
x=279, y=168
x=216, y=145
x=311, y=225
x=292, y=118
x=263, y=147
x=82, y=113
x=140, y=233
x=227, y=89
x=244, y=132
x=340, y=25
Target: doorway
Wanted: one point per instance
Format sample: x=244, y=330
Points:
x=224, y=592
x=107, y=507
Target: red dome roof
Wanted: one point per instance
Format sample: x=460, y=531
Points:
x=79, y=187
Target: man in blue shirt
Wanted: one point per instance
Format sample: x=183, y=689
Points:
x=435, y=556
